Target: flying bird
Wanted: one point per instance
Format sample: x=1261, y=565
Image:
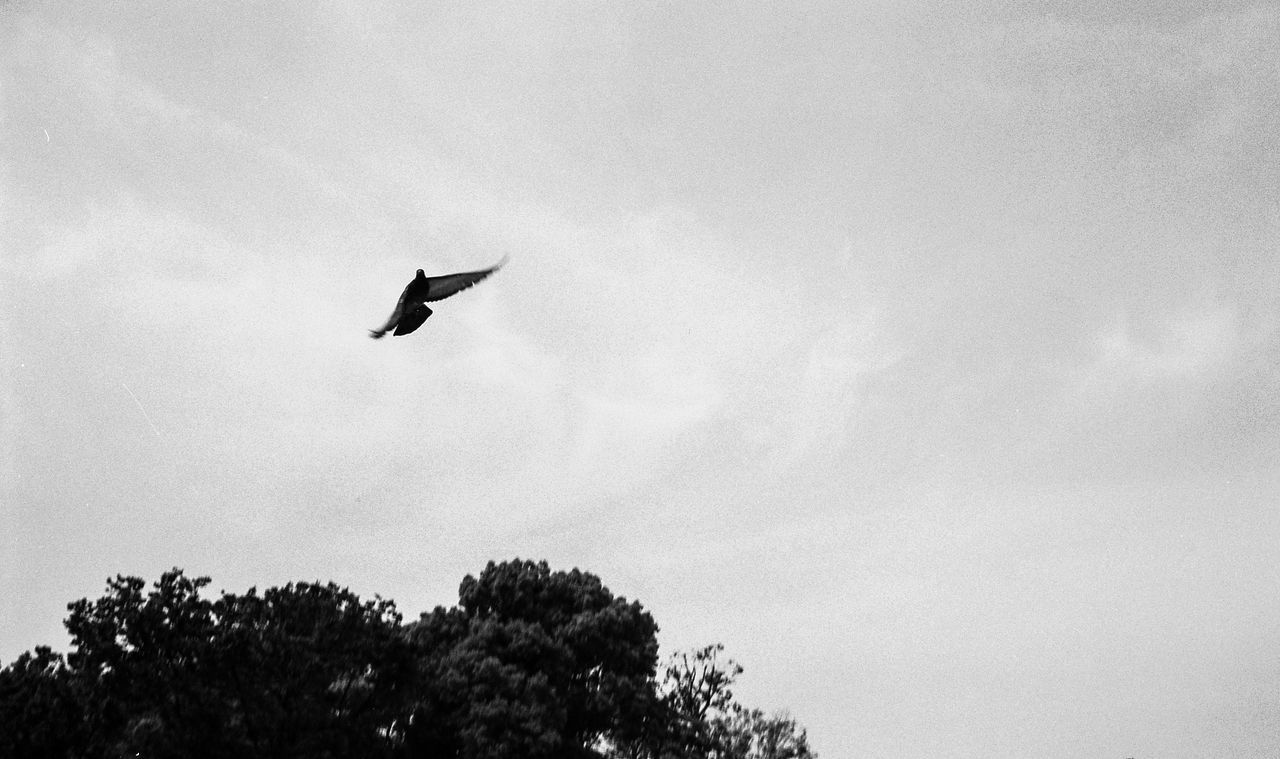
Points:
x=411, y=310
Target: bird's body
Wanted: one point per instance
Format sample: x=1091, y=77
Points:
x=411, y=310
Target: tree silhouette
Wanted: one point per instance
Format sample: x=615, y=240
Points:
x=40, y=711
x=531, y=663
x=696, y=717
x=306, y=669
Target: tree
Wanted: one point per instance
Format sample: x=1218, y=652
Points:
x=140, y=661
x=744, y=733
x=532, y=663
x=39, y=709
x=697, y=717
x=697, y=690
x=314, y=671
x=307, y=670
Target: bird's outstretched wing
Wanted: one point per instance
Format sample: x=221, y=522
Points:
x=441, y=287
x=394, y=320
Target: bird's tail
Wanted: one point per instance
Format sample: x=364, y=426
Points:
x=377, y=333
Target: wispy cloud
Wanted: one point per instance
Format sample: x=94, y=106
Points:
x=1185, y=347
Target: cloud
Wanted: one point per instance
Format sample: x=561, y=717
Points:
x=114, y=134
x=697, y=351
x=1189, y=388
x=1185, y=347
x=258, y=373
x=692, y=334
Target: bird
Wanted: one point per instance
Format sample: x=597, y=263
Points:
x=411, y=310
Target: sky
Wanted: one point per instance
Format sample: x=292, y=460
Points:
x=923, y=353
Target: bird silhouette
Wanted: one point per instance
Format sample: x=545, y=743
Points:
x=411, y=310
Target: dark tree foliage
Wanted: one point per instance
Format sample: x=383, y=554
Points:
x=40, y=710
x=696, y=717
x=742, y=733
x=303, y=670
x=532, y=663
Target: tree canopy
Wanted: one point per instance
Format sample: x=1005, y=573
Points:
x=530, y=663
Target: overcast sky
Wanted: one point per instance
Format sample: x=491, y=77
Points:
x=925, y=357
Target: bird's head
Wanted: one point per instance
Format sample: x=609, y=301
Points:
x=422, y=274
